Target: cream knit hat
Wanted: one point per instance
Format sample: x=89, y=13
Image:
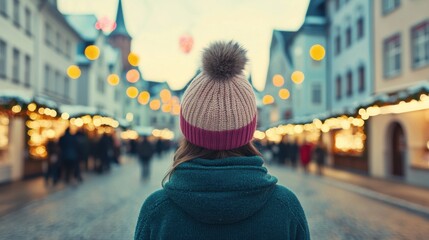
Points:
x=219, y=107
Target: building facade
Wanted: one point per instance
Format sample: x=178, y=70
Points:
x=36, y=48
x=400, y=136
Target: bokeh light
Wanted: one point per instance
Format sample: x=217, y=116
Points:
x=132, y=92
x=92, y=52
x=105, y=24
x=278, y=80
x=113, y=79
x=297, y=77
x=144, y=97
x=267, y=99
x=176, y=109
x=73, y=72
x=284, y=93
x=166, y=108
x=165, y=95
x=133, y=76
x=32, y=107
x=133, y=59
x=317, y=52
x=186, y=42
x=155, y=104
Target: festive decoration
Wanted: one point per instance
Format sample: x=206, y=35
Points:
x=92, y=52
x=268, y=99
x=165, y=95
x=133, y=59
x=133, y=76
x=317, y=52
x=73, y=72
x=155, y=104
x=113, y=79
x=144, y=97
x=186, y=42
x=278, y=80
x=284, y=93
x=132, y=92
x=297, y=77
x=105, y=24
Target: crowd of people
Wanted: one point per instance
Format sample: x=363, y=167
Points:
x=294, y=154
x=72, y=153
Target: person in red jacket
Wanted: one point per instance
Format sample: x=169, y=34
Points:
x=305, y=155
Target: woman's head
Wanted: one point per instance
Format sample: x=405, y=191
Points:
x=218, y=110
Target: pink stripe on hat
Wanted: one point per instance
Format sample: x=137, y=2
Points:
x=218, y=140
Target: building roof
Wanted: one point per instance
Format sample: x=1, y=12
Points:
x=120, y=29
x=84, y=24
x=59, y=16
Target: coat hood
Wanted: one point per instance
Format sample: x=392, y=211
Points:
x=221, y=191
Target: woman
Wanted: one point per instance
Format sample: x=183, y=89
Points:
x=217, y=187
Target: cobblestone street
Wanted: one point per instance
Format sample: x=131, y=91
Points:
x=107, y=206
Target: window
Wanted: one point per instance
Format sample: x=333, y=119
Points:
x=420, y=44
x=317, y=93
x=338, y=87
x=27, y=76
x=100, y=85
x=392, y=56
x=68, y=49
x=3, y=7
x=348, y=36
x=58, y=44
x=349, y=83
x=57, y=83
x=28, y=21
x=338, y=44
x=153, y=120
x=390, y=5
x=361, y=76
x=47, y=77
x=16, y=12
x=48, y=34
x=3, y=58
x=117, y=94
x=15, y=66
x=66, y=86
x=360, y=28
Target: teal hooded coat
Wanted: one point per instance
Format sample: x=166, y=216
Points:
x=230, y=198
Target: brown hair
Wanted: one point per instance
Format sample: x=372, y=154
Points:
x=188, y=151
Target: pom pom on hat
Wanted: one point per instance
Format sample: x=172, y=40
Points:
x=224, y=60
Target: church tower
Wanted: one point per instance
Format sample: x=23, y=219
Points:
x=121, y=39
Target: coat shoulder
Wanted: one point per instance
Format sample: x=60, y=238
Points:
x=291, y=204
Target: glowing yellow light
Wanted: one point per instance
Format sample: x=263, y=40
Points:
x=73, y=72
x=317, y=52
x=32, y=107
x=92, y=52
x=166, y=108
x=133, y=76
x=165, y=95
x=156, y=132
x=325, y=128
x=65, y=116
x=144, y=97
x=284, y=93
x=155, y=104
x=132, y=92
x=16, y=109
x=267, y=99
x=113, y=79
x=78, y=122
x=297, y=77
x=259, y=135
x=278, y=80
x=176, y=109
x=133, y=59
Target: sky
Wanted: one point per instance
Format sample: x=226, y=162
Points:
x=157, y=25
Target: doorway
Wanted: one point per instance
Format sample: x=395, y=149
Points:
x=398, y=150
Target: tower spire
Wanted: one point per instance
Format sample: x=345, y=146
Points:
x=120, y=23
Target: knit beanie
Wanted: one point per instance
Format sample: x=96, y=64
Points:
x=218, y=109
